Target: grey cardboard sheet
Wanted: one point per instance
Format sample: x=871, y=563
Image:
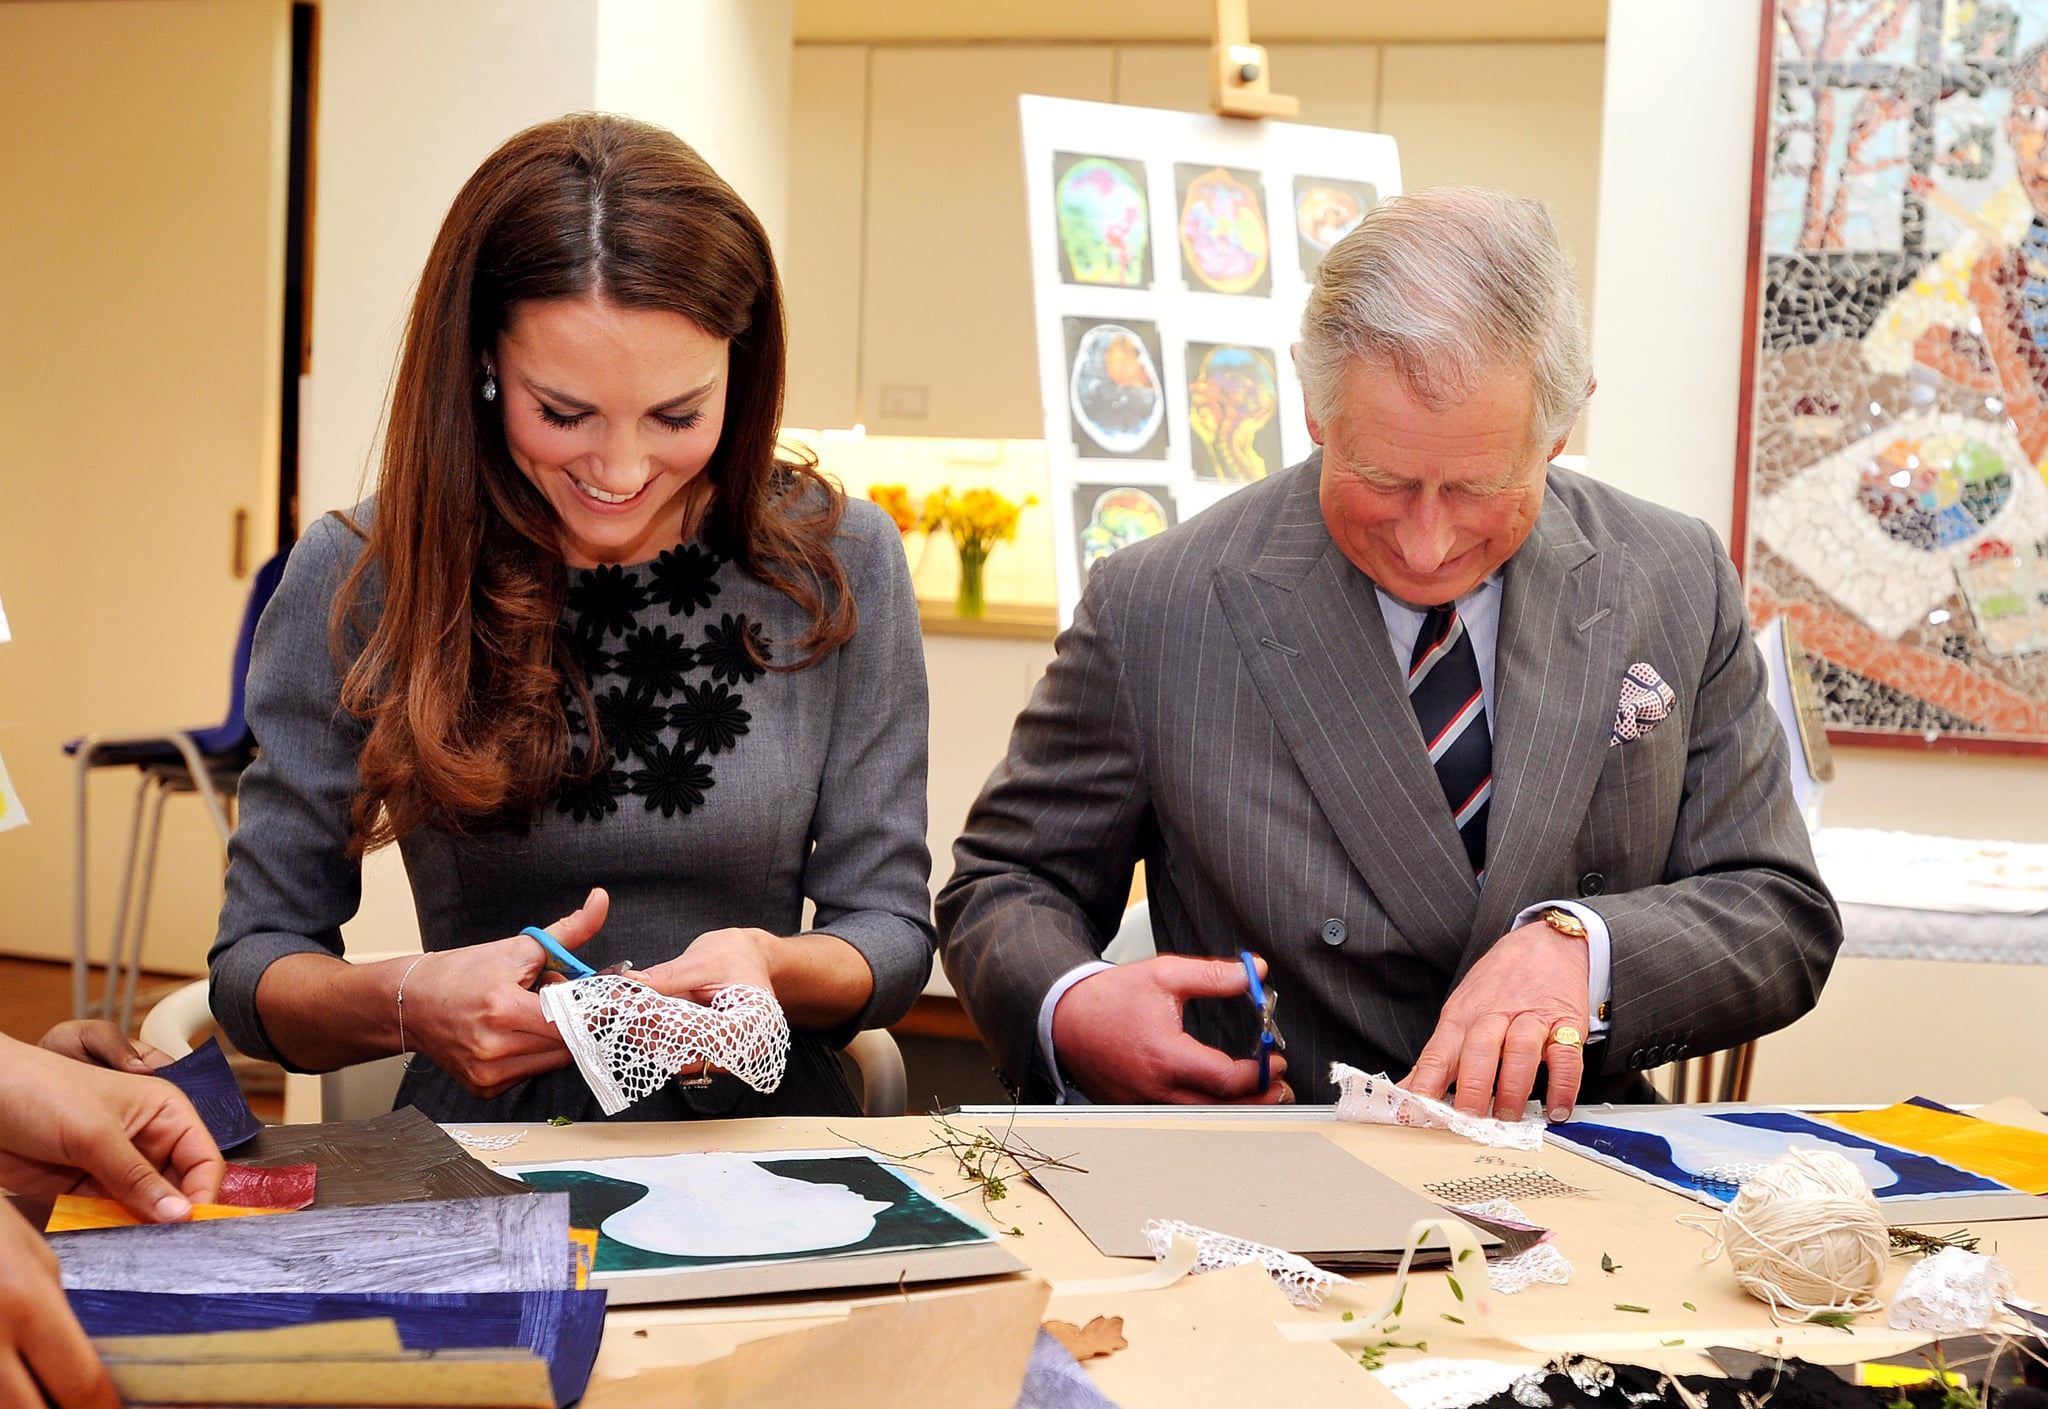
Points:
x=1294, y=1190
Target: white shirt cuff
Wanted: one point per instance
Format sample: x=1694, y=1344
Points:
x=1599, y=959
x=1062, y=1094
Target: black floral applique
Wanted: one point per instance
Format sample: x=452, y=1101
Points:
x=587, y=646
x=673, y=781
x=606, y=600
x=654, y=661
x=685, y=579
x=725, y=650
x=631, y=723
x=709, y=718
x=595, y=797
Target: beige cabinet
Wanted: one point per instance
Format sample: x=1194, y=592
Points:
x=141, y=294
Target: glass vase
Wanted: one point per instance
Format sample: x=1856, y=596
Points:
x=970, y=602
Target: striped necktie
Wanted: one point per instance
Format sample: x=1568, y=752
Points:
x=1443, y=685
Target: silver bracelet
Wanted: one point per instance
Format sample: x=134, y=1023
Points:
x=401, y=1002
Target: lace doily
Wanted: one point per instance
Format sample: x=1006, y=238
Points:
x=1951, y=1291
x=1376, y=1100
x=1541, y=1263
x=476, y=1141
x=1443, y=1383
x=1300, y=1280
x=629, y=1039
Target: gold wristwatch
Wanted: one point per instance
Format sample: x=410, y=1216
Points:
x=1564, y=922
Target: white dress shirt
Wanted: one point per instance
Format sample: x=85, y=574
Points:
x=1480, y=609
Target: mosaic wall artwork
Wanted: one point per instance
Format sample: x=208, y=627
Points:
x=1897, y=437
x=1171, y=256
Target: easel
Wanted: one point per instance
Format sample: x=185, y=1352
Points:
x=1240, y=79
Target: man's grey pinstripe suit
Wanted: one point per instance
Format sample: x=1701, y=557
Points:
x=1226, y=707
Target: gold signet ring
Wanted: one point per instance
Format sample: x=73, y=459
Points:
x=1565, y=1035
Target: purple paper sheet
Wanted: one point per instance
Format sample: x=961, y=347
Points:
x=203, y=1076
x=562, y=1327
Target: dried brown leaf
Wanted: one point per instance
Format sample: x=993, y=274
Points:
x=1102, y=1336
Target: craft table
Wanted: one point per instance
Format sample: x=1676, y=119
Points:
x=1212, y=1339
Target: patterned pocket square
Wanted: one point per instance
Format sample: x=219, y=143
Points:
x=1645, y=700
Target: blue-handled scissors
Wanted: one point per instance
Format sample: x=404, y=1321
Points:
x=1270, y=1040
x=559, y=960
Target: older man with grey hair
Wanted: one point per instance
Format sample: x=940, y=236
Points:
x=1471, y=752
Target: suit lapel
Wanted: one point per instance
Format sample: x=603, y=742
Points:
x=1309, y=627
x=1557, y=670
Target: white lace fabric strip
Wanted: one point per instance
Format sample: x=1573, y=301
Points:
x=1538, y=1263
x=630, y=1040
x=1952, y=1291
x=1301, y=1281
x=1440, y=1382
x=1375, y=1100
x=477, y=1140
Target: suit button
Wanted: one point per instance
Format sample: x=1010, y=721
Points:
x=1592, y=883
x=1334, y=931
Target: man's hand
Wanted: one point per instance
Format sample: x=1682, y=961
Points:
x=43, y=1352
x=1118, y=1036
x=103, y=1044
x=473, y=1009
x=1494, y=1031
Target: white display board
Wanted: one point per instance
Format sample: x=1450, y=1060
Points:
x=1171, y=255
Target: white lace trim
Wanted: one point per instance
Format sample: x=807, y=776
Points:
x=1302, y=1282
x=1951, y=1291
x=1375, y=1100
x=629, y=1039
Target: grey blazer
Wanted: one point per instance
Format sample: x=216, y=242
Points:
x=1226, y=707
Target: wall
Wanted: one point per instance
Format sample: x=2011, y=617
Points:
x=907, y=262
x=141, y=286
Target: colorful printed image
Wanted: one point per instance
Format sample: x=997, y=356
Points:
x=1114, y=391
x=2006, y=585
x=1326, y=209
x=1225, y=246
x=1105, y=227
x=1112, y=516
x=1232, y=398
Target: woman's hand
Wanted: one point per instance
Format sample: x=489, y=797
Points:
x=101, y=1043
x=715, y=960
x=43, y=1351
x=473, y=1011
x=66, y=1127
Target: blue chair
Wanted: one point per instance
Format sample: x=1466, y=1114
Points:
x=208, y=762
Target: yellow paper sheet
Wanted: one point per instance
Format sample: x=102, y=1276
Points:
x=2003, y=1152
x=72, y=1212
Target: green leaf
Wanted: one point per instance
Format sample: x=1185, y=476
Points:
x=1624, y=1306
x=1456, y=1290
x=560, y=1120
x=1465, y=1254
x=1399, y=1302
x=1458, y=1320
x=1679, y=1341
x=1840, y=1320
x=1688, y=1306
x=1348, y=1316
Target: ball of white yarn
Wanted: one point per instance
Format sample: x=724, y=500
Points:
x=1806, y=1235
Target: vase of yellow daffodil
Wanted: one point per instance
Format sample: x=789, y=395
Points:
x=975, y=520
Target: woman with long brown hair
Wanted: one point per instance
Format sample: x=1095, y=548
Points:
x=593, y=630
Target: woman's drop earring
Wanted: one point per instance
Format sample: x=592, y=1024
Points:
x=490, y=388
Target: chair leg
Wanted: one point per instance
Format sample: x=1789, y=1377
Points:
x=111, y=989
x=81, y=958
x=134, y=964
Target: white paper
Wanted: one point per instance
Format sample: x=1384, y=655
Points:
x=5, y=634
x=11, y=813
